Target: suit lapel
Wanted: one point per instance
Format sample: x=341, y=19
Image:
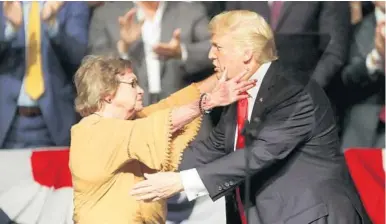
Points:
x=265, y=91
x=284, y=13
x=365, y=36
x=231, y=128
x=167, y=28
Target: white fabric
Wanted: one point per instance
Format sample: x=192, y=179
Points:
x=151, y=33
x=191, y=181
x=384, y=159
x=24, y=200
x=378, y=63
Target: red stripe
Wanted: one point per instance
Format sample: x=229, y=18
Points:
x=50, y=168
x=366, y=169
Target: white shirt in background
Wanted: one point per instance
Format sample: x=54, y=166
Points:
x=151, y=34
x=379, y=64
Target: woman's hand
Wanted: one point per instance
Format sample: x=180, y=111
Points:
x=228, y=91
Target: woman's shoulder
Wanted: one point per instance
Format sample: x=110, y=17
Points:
x=95, y=121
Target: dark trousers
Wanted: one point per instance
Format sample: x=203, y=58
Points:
x=28, y=132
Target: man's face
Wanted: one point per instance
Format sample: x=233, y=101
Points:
x=224, y=55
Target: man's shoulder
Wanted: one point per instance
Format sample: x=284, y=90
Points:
x=292, y=82
x=289, y=80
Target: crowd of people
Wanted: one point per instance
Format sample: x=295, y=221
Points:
x=339, y=45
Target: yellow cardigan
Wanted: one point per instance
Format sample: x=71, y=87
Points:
x=108, y=156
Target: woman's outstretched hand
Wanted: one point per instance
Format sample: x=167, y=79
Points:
x=229, y=91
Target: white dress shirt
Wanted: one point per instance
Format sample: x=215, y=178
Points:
x=151, y=34
x=191, y=181
x=379, y=63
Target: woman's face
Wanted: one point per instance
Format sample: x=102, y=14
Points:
x=128, y=95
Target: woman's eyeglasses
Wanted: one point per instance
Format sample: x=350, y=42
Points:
x=133, y=83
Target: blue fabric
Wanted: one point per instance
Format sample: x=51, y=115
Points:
x=28, y=132
x=4, y=217
x=10, y=32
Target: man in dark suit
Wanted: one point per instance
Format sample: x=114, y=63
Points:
x=298, y=174
x=364, y=79
x=42, y=45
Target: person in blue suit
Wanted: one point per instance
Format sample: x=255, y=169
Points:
x=42, y=44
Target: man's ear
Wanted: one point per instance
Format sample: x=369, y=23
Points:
x=248, y=56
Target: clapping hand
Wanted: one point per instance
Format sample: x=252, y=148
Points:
x=129, y=29
x=172, y=49
x=51, y=9
x=13, y=12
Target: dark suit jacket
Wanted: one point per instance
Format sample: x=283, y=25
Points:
x=61, y=57
x=298, y=173
x=332, y=18
x=364, y=96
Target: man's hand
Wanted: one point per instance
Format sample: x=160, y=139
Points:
x=13, y=13
x=129, y=29
x=50, y=10
x=379, y=40
x=171, y=49
x=157, y=186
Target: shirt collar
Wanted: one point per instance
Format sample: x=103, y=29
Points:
x=259, y=76
x=158, y=14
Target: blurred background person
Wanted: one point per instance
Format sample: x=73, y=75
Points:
x=43, y=44
x=364, y=79
x=213, y=7
x=360, y=9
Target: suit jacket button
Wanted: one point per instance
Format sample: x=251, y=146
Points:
x=231, y=183
x=227, y=184
x=220, y=188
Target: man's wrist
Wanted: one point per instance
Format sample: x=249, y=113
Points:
x=123, y=46
x=180, y=186
x=183, y=53
x=376, y=57
x=13, y=26
x=374, y=62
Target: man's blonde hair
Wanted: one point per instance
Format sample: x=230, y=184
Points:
x=96, y=78
x=249, y=30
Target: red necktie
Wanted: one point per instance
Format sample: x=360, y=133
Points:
x=275, y=13
x=382, y=114
x=242, y=115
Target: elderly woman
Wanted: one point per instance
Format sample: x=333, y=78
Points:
x=118, y=141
